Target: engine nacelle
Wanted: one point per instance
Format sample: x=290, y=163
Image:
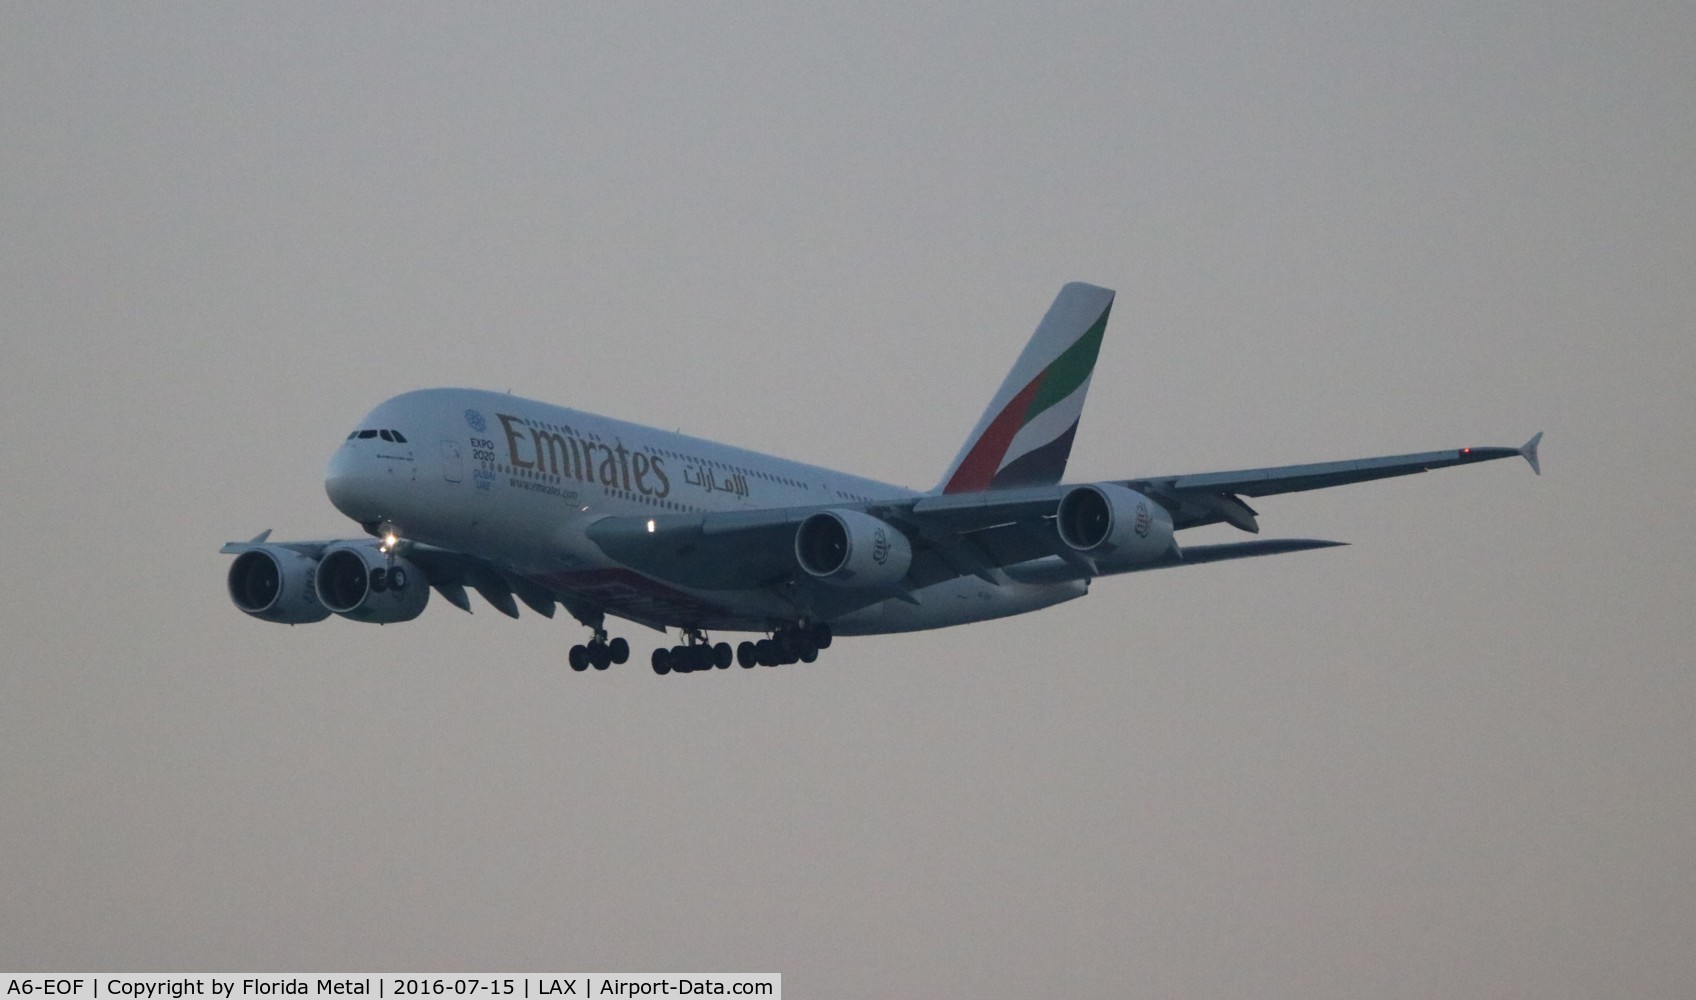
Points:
x=848, y=548
x=1106, y=519
x=357, y=581
x=275, y=583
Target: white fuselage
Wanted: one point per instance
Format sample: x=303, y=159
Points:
x=517, y=482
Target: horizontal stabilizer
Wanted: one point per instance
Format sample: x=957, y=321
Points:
x=1195, y=555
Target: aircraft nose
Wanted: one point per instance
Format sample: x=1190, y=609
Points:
x=351, y=483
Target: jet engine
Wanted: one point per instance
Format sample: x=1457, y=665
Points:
x=275, y=583
x=848, y=548
x=1106, y=519
x=356, y=580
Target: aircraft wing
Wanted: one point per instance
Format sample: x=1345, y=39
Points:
x=970, y=534
x=1212, y=497
x=449, y=573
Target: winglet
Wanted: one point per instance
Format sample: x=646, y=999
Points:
x=1529, y=452
x=259, y=539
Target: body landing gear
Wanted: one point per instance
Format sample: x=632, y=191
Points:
x=599, y=653
x=789, y=644
x=696, y=653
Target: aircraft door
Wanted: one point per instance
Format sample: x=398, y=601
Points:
x=453, y=465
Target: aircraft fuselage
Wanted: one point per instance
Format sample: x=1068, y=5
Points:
x=518, y=481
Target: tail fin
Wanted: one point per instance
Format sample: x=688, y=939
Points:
x=1025, y=436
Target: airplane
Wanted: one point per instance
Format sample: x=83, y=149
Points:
x=516, y=498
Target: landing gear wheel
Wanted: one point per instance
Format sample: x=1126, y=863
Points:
x=578, y=658
x=619, y=649
x=745, y=655
x=787, y=647
x=820, y=635
x=662, y=662
x=600, y=657
x=722, y=656
x=809, y=652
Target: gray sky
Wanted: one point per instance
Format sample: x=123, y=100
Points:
x=1453, y=759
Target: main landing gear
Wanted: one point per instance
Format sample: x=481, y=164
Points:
x=599, y=653
x=796, y=643
x=696, y=653
x=789, y=644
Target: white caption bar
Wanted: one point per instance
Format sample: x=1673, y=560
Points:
x=498, y=985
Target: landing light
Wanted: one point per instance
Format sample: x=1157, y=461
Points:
x=650, y=525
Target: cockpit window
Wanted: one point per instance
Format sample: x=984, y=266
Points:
x=352, y=434
x=385, y=434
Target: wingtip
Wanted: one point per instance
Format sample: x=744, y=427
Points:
x=1085, y=286
x=1529, y=451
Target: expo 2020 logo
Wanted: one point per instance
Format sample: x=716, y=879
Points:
x=475, y=421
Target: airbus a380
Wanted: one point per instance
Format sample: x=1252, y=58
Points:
x=513, y=498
